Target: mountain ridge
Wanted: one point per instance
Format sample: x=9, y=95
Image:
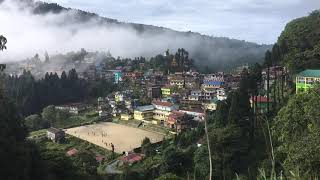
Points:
x=217, y=53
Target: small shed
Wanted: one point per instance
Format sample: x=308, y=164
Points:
x=56, y=135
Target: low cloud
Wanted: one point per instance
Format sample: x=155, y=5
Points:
x=29, y=34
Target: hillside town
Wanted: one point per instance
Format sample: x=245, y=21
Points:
x=167, y=104
x=177, y=101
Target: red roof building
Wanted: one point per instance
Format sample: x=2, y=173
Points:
x=260, y=104
x=162, y=103
x=131, y=158
x=72, y=152
x=260, y=99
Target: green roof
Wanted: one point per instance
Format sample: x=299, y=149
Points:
x=310, y=73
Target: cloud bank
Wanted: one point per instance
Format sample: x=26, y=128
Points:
x=29, y=34
x=258, y=21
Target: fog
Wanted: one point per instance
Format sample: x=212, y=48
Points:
x=29, y=34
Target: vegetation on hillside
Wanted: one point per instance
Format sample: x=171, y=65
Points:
x=299, y=44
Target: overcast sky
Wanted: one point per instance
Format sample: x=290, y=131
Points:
x=258, y=21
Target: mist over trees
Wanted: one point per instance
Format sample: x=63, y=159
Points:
x=54, y=24
x=31, y=95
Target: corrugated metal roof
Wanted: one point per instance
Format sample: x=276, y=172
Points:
x=160, y=103
x=310, y=73
x=215, y=83
x=145, y=108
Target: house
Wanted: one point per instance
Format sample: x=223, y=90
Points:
x=128, y=104
x=176, y=81
x=162, y=111
x=117, y=77
x=261, y=104
x=153, y=91
x=208, y=94
x=74, y=108
x=56, y=135
x=133, y=75
x=178, y=121
x=166, y=91
x=221, y=94
x=144, y=113
x=197, y=114
x=195, y=95
x=213, y=82
x=190, y=103
x=72, y=152
x=100, y=158
x=130, y=159
x=211, y=105
x=212, y=85
x=191, y=82
x=306, y=80
x=125, y=116
x=119, y=97
x=103, y=113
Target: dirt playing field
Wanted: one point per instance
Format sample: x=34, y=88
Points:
x=124, y=138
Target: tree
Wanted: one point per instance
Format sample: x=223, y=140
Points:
x=34, y=122
x=297, y=130
x=176, y=161
x=87, y=163
x=145, y=141
x=169, y=176
x=49, y=114
x=146, y=147
x=230, y=147
x=15, y=152
x=3, y=42
x=201, y=161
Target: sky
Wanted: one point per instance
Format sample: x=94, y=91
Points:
x=259, y=21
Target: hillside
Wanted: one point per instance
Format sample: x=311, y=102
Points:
x=299, y=43
x=208, y=51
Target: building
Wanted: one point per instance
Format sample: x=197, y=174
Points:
x=119, y=97
x=74, y=108
x=144, y=113
x=195, y=95
x=56, y=135
x=176, y=81
x=130, y=158
x=211, y=105
x=221, y=94
x=162, y=111
x=306, y=80
x=72, y=152
x=117, y=77
x=133, y=75
x=213, y=85
x=213, y=82
x=166, y=91
x=125, y=116
x=104, y=113
x=208, y=95
x=191, y=82
x=260, y=104
x=190, y=103
x=178, y=121
x=197, y=114
x=153, y=91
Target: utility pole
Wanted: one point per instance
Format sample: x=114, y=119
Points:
x=208, y=142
